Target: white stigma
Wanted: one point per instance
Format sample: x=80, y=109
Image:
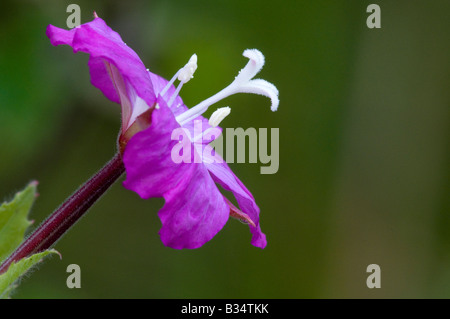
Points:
x=243, y=83
x=219, y=115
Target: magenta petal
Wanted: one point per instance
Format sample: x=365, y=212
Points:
x=194, y=212
x=151, y=172
x=224, y=176
x=194, y=209
x=59, y=36
x=101, y=80
x=106, y=46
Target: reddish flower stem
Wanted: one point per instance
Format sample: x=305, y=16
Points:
x=62, y=219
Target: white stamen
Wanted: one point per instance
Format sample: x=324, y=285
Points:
x=219, y=115
x=184, y=75
x=243, y=83
x=175, y=94
x=169, y=84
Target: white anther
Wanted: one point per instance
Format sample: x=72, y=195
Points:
x=183, y=75
x=187, y=72
x=218, y=116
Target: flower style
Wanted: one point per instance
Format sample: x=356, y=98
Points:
x=194, y=210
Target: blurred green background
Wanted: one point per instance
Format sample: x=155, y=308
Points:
x=364, y=147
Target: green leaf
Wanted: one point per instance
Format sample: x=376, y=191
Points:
x=18, y=269
x=13, y=219
x=13, y=225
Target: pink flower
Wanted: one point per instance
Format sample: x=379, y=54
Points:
x=194, y=209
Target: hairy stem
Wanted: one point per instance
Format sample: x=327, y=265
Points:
x=63, y=218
